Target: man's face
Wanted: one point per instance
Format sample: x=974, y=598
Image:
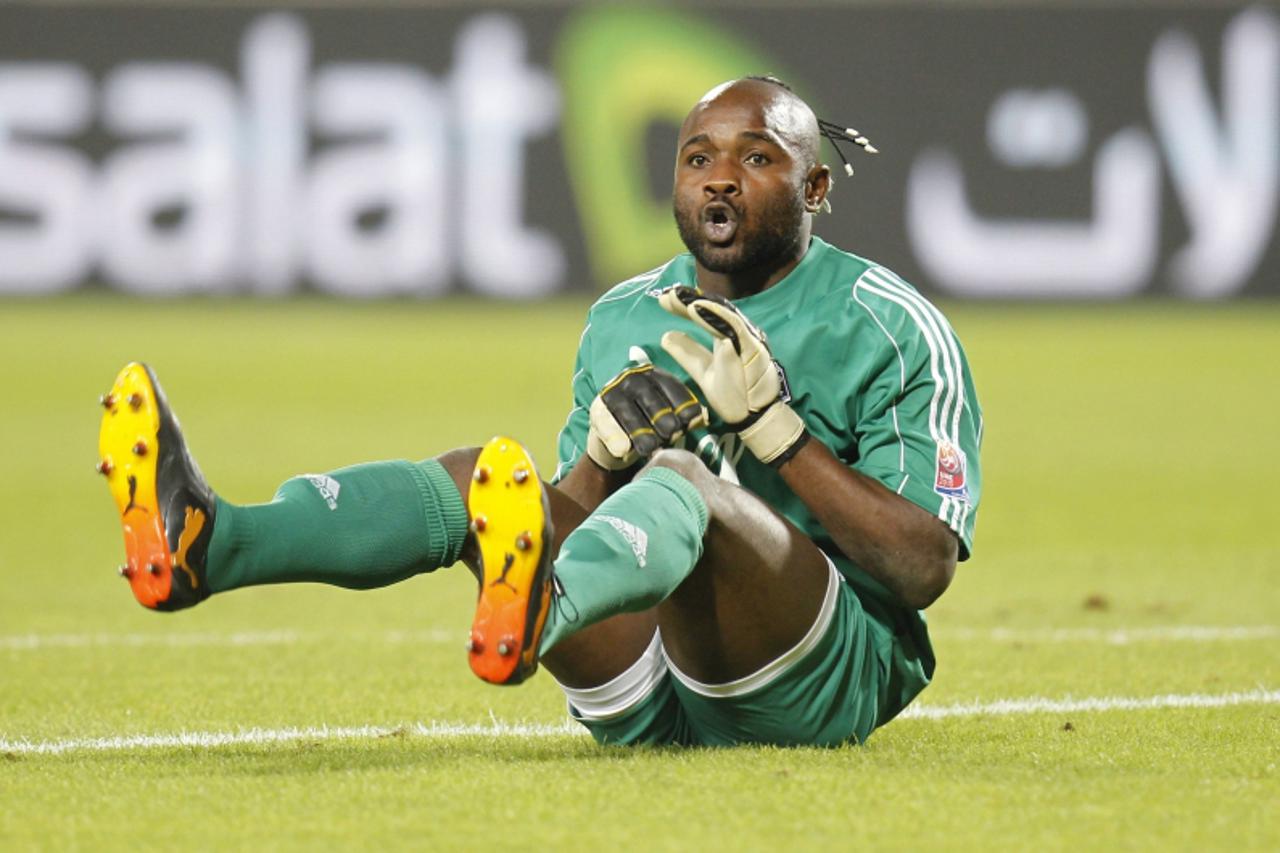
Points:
x=739, y=197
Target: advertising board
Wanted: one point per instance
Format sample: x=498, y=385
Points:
x=1026, y=153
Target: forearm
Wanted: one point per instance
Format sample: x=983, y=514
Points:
x=901, y=545
x=588, y=484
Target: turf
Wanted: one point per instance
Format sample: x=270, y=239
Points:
x=1129, y=461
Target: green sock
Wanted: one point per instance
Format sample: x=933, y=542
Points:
x=360, y=527
x=629, y=554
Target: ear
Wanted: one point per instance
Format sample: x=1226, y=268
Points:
x=816, y=186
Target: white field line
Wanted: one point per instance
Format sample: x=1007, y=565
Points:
x=442, y=636
x=1041, y=705
x=1004, y=707
x=267, y=736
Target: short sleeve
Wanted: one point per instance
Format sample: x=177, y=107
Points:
x=572, y=441
x=917, y=422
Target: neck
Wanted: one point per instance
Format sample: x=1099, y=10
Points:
x=743, y=283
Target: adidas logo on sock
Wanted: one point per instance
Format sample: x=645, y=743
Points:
x=636, y=538
x=328, y=488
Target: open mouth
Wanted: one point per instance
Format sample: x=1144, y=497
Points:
x=719, y=223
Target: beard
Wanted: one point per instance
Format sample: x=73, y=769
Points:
x=764, y=241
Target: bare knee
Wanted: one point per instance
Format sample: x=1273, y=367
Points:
x=692, y=469
x=683, y=462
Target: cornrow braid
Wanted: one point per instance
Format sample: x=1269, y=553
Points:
x=836, y=134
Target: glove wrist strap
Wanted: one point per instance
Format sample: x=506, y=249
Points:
x=778, y=432
x=786, y=455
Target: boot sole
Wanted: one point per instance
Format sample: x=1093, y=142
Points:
x=129, y=447
x=510, y=519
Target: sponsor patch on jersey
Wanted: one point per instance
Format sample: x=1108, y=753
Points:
x=952, y=466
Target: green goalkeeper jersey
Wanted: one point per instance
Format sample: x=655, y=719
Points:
x=873, y=368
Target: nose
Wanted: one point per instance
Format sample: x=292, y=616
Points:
x=721, y=181
x=725, y=187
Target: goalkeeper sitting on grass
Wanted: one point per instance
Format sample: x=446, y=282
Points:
x=770, y=469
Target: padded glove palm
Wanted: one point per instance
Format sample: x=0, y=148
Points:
x=741, y=380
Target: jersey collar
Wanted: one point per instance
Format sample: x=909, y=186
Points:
x=784, y=293
x=788, y=291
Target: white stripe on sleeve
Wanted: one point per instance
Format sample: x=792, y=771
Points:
x=945, y=367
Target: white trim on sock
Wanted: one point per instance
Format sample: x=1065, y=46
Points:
x=621, y=694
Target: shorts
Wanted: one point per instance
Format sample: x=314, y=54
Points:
x=829, y=689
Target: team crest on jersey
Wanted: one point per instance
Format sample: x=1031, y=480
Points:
x=950, y=479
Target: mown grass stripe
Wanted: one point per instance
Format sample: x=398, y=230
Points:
x=1111, y=636
x=1114, y=636
x=38, y=642
x=1003, y=707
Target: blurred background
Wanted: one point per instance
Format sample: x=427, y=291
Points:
x=346, y=230
x=1029, y=150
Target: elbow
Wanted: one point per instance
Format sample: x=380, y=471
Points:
x=936, y=568
x=931, y=582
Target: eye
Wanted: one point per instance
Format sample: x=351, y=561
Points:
x=698, y=160
x=755, y=158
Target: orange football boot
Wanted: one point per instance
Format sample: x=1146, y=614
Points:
x=165, y=506
x=511, y=520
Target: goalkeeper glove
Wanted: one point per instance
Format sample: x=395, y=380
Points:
x=741, y=380
x=640, y=410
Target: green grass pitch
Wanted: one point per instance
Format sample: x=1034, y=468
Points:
x=1126, y=550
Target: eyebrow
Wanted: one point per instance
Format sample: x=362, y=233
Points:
x=694, y=140
x=763, y=136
